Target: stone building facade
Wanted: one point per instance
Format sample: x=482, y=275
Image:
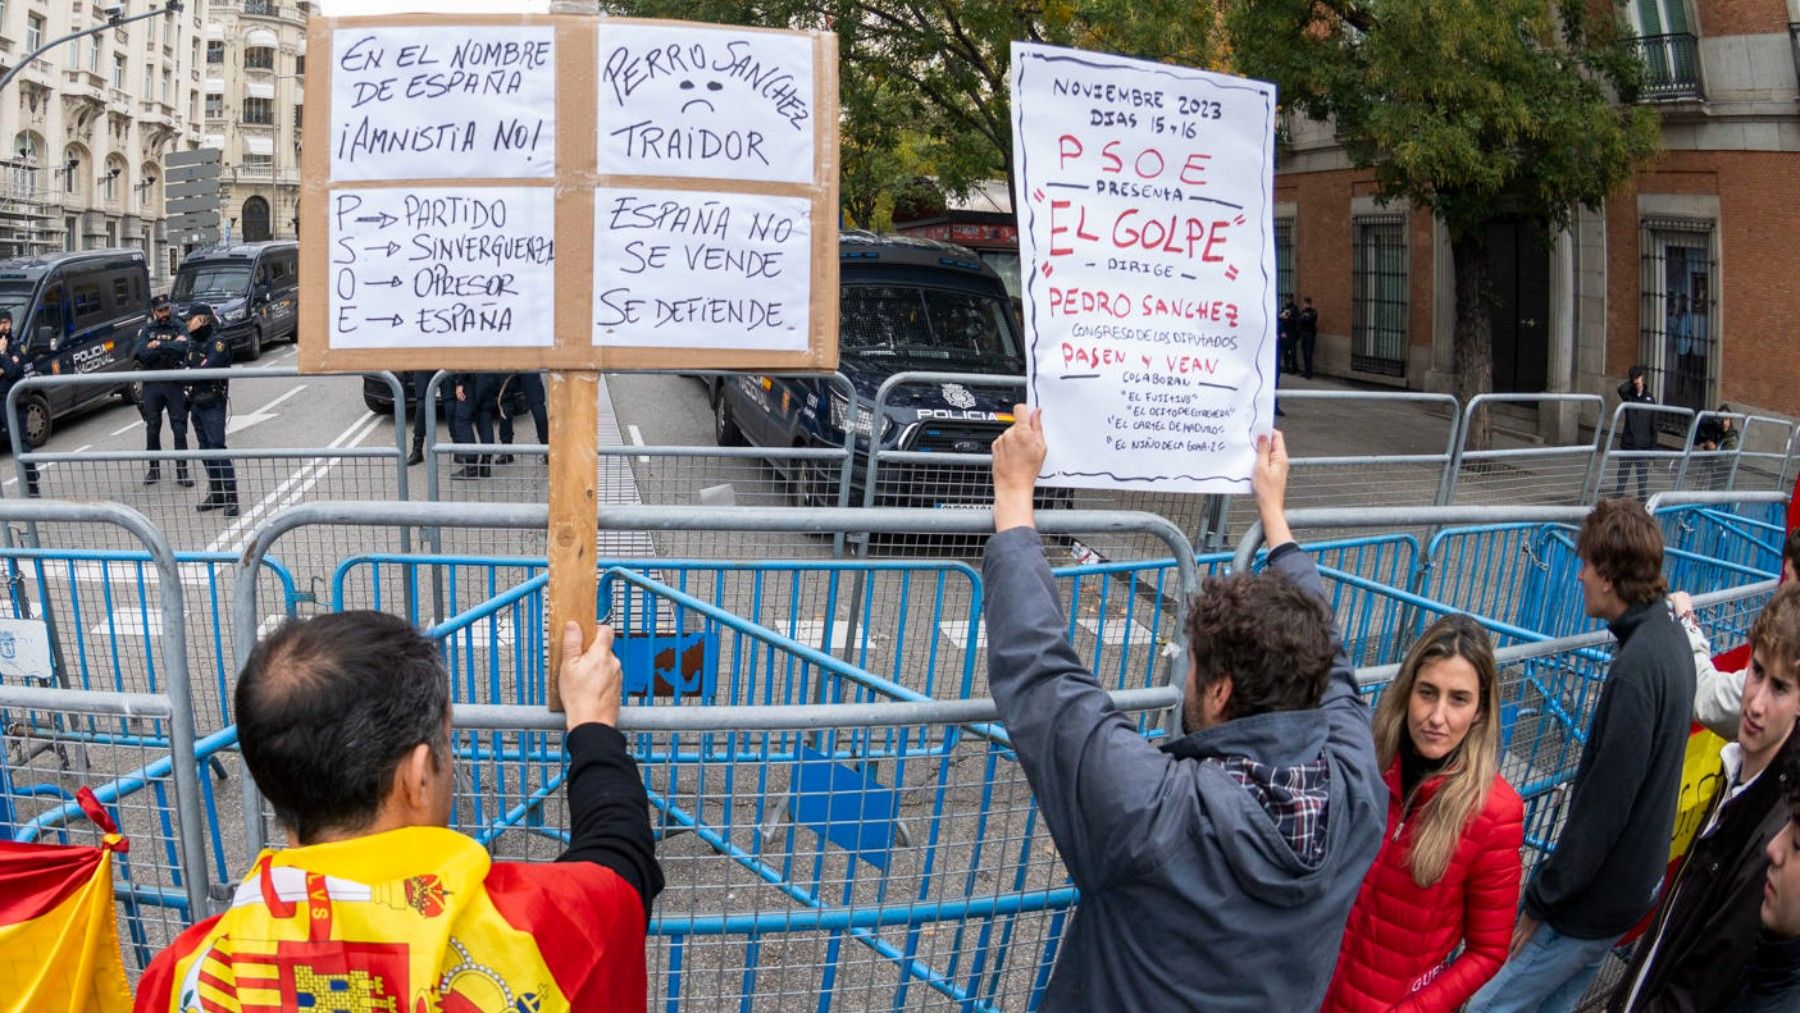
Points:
x=252, y=106
x=86, y=126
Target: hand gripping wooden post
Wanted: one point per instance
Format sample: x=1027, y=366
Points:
x=574, y=500
x=563, y=202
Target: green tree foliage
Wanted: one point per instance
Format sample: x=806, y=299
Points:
x=923, y=83
x=1476, y=110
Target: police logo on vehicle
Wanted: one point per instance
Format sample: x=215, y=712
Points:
x=957, y=395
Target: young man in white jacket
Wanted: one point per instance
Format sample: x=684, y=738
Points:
x=1719, y=696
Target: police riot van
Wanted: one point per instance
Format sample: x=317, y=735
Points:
x=253, y=288
x=904, y=305
x=75, y=313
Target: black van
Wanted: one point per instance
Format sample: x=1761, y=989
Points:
x=904, y=305
x=76, y=313
x=253, y=288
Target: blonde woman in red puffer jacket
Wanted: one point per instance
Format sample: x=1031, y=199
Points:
x=1448, y=872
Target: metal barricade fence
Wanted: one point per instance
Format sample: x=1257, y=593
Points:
x=1550, y=474
x=944, y=464
x=1721, y=539
x=857, y=855
x=1641, y=472
x=492, y=673
x=1761, y=457
x=799, y=474
x=56, y=742
x=137, y=750
x=100, y=608
x=268, y=478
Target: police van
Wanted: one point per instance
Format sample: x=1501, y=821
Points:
x=904, y=305
x=253, y=288
x=74, y=313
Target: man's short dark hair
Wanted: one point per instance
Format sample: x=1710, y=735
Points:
x=327, y=707
x=1269, y=634
x=1790, y=550
x=1621, y=541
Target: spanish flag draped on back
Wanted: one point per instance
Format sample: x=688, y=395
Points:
x=409, y=921
x=59, y=941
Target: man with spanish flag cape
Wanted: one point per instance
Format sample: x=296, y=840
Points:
x=344, y=722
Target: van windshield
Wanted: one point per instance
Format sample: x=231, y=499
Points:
x=14, y=300
x=211, y=281
x=918, y=327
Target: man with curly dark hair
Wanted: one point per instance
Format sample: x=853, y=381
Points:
x=1216, y=872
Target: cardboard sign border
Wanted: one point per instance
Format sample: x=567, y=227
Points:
x=578, y=39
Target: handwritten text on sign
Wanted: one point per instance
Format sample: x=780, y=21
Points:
x=682, y=269
x=428, y=103
x=469, y=267
x=1147, y=255
x=706, y=103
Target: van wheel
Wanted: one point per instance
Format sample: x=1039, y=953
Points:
x=35, y=411
x=132, y=393
x=255, y=352
x=725, y=428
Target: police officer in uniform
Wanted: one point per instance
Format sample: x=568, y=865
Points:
x=472, y=418
x=12, y=368
x=208, y=402
x=522, y=392
x=162, y=345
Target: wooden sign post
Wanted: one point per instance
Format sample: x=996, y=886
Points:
x=568, y=193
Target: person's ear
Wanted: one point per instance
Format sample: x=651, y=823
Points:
x=1218, y=699
x=413, y=778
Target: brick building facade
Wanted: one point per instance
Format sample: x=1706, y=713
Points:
x=1692, y=268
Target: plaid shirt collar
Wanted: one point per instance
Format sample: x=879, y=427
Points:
x=1293, y=797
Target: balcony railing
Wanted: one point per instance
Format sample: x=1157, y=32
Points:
x=1671, y=67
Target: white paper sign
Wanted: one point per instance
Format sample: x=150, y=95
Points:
x=24, y=650
x=1147, y=255
x=685, y=269
x=440, y=267
x=430, y=103
x=705, y=103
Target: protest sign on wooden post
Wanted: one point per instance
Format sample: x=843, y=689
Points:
x=499, y=193
x=1147, y=256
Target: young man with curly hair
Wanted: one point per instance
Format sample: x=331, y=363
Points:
x=1216, y=872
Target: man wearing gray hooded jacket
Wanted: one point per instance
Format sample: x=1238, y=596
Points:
x=1216, y=872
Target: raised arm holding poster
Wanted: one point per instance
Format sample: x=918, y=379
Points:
x=1147, y=254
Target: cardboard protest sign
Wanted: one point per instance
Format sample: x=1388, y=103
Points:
x=565, y=192
x=1147, y=254
x=504, y=193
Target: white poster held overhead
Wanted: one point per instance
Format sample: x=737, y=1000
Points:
x=1147, y=254
x=472, y=267
x=443, y=102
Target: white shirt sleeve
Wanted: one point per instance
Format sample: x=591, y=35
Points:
x=1718, y=696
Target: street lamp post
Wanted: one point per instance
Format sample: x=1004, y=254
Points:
x=115, y=18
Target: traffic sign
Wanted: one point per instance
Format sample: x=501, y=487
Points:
x=190, y=205
x=193, y=220
x=184, y=173
x=192, y=188
x=199, y=156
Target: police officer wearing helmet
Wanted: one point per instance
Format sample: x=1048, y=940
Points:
x=162, y=344
x=208, y=402
x=12, y=368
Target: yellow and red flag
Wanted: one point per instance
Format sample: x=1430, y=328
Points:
x=59, y=939
x=417, y=920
